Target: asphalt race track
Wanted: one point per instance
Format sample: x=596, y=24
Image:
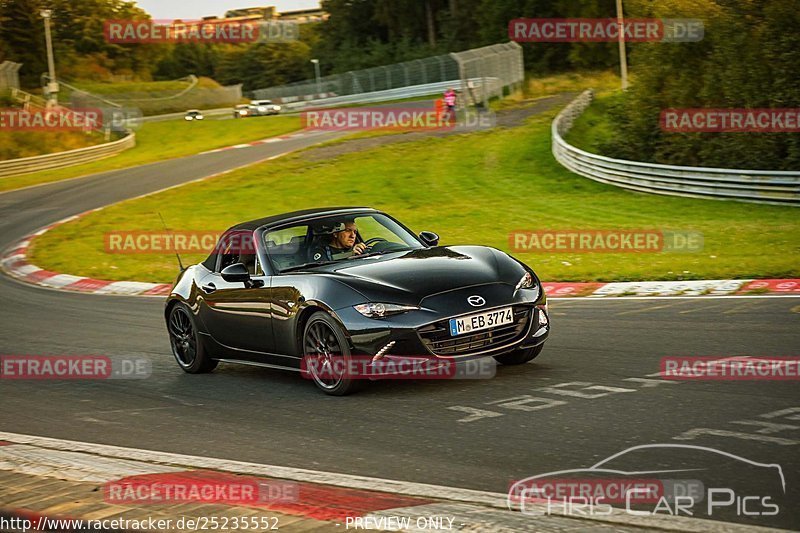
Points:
x=589, y=395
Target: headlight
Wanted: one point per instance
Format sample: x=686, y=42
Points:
x=379, y=310
x=543, y=312
x=525, y=283
x=277, y=108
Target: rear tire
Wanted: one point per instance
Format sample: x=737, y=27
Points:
x=323, y=339
x=519, y=357
x=187, y=345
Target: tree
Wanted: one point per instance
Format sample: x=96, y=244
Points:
x=23, y=38
x=747, y=59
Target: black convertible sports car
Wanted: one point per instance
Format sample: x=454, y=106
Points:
x=279, y=292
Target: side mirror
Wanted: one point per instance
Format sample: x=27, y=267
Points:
x=235, y=273
x=429, y=238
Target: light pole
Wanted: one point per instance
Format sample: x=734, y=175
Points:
x=623, y=60
x=316, y=73
x=52, y=85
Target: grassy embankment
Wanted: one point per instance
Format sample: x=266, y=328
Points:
x=157, y=141
x=474, y=188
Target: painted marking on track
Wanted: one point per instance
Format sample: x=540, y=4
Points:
x=475, y=414
x=561, y=390
x=759, y=435
x=648, y=383
x=700, y=309
x=528, y=403
x=520, y=403
x=795, y=309
x=700, y=432
x=783, y=412
x=768, y=427
x=646, y=309
x=743, y=308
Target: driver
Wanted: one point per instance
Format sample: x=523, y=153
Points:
x=341, y=245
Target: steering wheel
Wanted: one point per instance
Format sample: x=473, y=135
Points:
x=374, y=240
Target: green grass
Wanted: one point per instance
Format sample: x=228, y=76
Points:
x=19, y=144
x=603, y=81
x=132, y=89
x=142, y=87
x=592, y=129
x=157, y=141
x=536, y=87
x=471, y=189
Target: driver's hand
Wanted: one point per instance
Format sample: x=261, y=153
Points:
x=359, y=248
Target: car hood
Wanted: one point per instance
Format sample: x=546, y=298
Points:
x=409, y=277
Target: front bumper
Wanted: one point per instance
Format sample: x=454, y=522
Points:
x=418, y=333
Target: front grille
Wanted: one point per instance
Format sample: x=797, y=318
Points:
x=436, y=337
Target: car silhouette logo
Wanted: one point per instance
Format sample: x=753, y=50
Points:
x=476, y=301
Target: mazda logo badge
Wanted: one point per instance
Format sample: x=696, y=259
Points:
x=476, y=301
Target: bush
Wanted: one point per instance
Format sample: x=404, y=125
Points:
x=748, y=59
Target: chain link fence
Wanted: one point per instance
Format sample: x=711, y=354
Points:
x=480, y=74
x=9, y=75
x=490, y=72
x=194, y=95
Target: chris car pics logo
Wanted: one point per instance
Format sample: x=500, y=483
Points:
x=692, y=487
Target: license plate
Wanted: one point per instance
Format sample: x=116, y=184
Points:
x=481, y=321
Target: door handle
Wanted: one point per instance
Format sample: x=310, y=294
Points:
x=208, y=288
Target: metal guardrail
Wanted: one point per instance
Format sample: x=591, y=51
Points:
x=401, y=93
x=760, y=186
x=26, y=165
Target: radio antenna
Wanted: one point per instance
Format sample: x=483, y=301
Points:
x=180, y=265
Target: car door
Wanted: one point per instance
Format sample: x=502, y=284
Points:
x=237, y=314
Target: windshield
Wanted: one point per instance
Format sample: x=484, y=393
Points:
x=332, y=239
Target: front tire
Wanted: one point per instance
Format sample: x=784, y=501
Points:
x=323, y=342
x=520, y=356
x=187, y=347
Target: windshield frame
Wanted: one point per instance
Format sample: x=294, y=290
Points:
x=264, y=231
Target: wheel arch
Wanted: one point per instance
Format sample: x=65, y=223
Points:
x=172, y=302
x=305, y=314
